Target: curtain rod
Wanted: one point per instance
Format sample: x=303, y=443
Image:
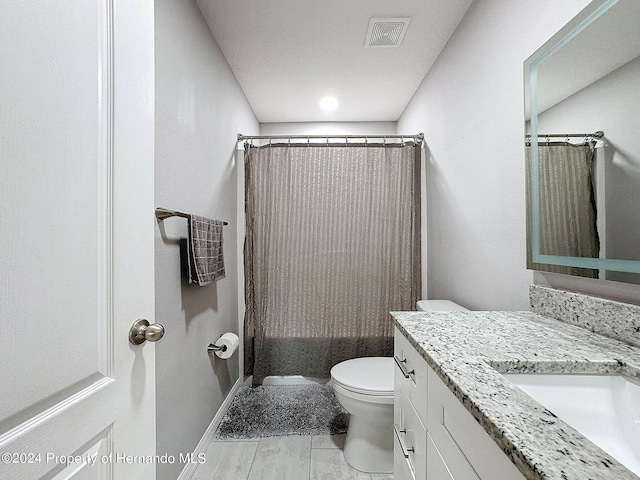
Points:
x=598, y=134
x=417, y=137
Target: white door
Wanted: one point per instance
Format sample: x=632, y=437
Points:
x=77, y=400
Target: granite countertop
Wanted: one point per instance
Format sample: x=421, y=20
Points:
x=470, y=350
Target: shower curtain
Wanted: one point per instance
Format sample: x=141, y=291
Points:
x=567, y=206
x=332, y=245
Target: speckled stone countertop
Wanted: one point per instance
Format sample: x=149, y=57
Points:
x=470, y=350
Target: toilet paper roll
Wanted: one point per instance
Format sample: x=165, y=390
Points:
x=229, y=343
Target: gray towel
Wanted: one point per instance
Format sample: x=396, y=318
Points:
x=206, y=262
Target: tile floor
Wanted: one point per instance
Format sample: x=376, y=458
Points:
x=280, y=458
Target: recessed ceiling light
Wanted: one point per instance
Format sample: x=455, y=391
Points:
x=328, y=103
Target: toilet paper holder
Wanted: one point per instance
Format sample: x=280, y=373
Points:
x=212, y=348
x=225, y=346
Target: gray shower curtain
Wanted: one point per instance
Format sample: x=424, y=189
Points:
x=567, y=210
x=332, y=245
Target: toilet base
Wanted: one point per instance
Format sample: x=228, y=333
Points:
x=369, y=448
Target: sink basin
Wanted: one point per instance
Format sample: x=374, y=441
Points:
x=604, y=408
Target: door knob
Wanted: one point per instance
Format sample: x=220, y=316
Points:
x=142, y=331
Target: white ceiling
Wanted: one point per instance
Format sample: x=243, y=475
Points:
x=288, y=54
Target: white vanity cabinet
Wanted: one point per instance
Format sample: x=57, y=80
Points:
x=436, y=438
x=409, y=411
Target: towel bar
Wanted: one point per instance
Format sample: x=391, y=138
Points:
x=162, y=213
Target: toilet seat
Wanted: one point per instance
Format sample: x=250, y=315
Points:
x=371, y=376
x=368, y=397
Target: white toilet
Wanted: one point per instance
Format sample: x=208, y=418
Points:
x=364, y=387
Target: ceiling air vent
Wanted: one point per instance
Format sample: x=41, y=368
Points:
x=386, y=32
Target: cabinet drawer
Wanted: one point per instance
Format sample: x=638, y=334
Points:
x=467, y=450
x=401, y=468
x=436, y=468
x=410, y=436
x=411, y=370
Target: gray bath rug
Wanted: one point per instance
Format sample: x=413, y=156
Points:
x=271, y=411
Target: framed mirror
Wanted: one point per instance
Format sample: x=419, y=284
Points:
x=582, y=119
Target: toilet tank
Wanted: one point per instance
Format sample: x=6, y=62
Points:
x=438, y=306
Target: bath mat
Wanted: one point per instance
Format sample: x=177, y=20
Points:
x=271, y=411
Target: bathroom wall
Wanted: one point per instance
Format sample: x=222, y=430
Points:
x=470, y=106
x=199, y=111
x=329, y=128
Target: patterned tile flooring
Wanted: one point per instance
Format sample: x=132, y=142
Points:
x=280, y=458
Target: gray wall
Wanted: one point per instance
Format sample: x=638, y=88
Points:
x=199, y=110
x=470, y=107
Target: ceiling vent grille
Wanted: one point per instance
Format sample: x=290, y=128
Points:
x=386, y=32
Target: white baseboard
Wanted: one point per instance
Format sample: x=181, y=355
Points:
x=190, y=468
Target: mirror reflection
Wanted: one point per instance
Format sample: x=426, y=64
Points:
x=583, y=188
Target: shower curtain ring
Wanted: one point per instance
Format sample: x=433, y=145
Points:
x=346, y=141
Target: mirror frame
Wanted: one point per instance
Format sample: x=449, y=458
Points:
x=585, y=18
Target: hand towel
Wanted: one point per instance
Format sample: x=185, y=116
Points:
x=206, y=261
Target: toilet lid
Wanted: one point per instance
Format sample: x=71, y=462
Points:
x=370, y=375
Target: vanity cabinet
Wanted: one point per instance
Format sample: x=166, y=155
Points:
x=436, y=438
x=409, y=411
